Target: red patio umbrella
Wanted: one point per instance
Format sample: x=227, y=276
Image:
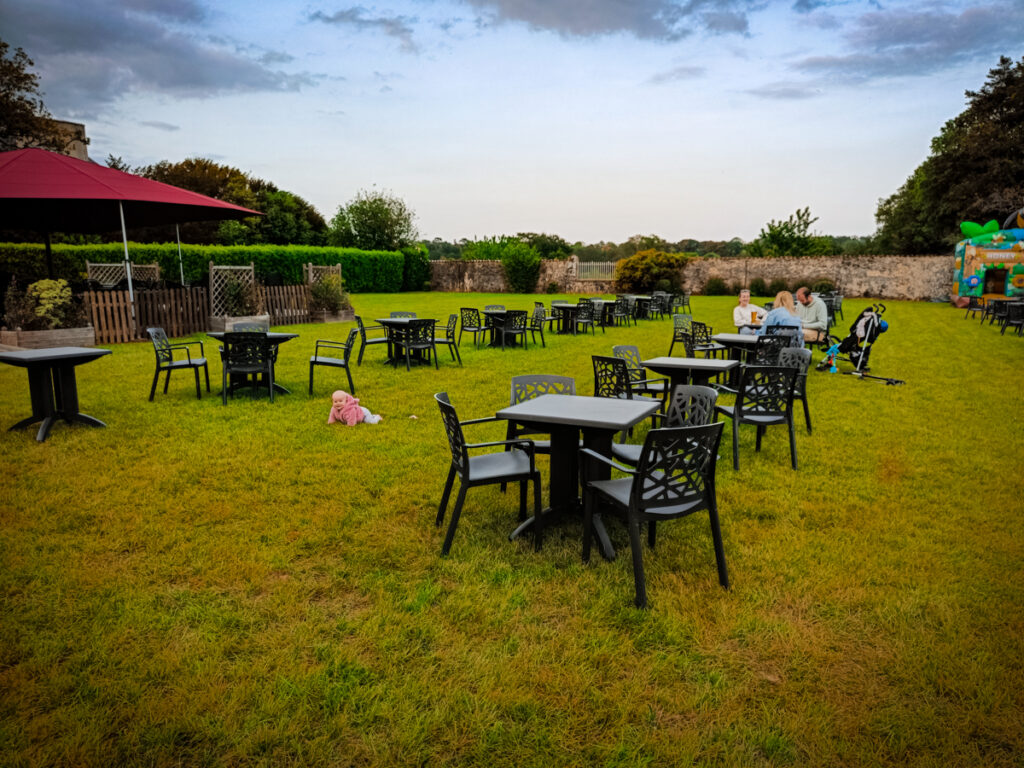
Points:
x=49, y=192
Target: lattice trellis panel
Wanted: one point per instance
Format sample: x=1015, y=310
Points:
x=314, y=273
x=109, y=275
x=220, y=276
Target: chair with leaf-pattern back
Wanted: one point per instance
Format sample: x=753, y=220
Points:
x=449, y=340
x=702, y=341
x=537, y=321
x=764, y=399
x=418, y=337
x=534, y=385
x=682, y=332
x=767, y=348
x=675, y=477
x=513, y=327
x=471, y=324
x=516, y=465
x=246, y=357
x=165, y=361
x=621, y=314
x=688, y=406
x=402, y=313
x=585, y=317
x=657, y=387
x=801, y=360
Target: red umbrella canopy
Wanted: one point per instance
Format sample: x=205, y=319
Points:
x=49, y=192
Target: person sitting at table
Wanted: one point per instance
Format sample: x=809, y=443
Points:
x=783, y=314
x=746, y=314
x=813, y=313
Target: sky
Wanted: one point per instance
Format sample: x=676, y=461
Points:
x=590, y=119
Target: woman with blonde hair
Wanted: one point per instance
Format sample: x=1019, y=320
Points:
x=783, y=314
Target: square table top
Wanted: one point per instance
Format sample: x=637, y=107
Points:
x=402, y=320
x=275, y=336
x=608, y=413
x=662, y=364
x=26, y=357
x=735, y=338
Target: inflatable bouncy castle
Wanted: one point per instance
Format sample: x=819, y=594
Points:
x=990, y=262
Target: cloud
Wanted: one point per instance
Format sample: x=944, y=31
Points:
x=677, y=73
x=664, y=20
x=398, y=27
x=91, y=52
x=160, y=126
x=784, y=91
x=919, y=42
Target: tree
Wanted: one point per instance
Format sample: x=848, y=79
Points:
x=791, y=237
x=975, y=171
x=24, y=121
x=373, y=221
x=548, y=246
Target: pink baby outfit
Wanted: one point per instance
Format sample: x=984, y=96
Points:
x=349, y=414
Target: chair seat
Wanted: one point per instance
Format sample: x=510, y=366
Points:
x=195, y=361
x=496, y=465
x=753, y=418
x=712, y=347
x=657, y=385
x=619, y=489
x=322, y=360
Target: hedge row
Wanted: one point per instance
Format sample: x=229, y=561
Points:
x=362, y=271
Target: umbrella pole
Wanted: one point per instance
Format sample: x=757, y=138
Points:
x=49, y=257
x=181, y=267
x=127, y=264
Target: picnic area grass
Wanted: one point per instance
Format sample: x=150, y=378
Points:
x=246, y=586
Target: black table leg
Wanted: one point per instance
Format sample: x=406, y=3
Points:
x=563, y=494
x=599, y=441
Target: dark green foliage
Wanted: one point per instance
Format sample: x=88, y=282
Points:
x=758, y=287
x=975, y=171
x=822, y=286
x=791, y=237
x=663, y=285
x=442, y=249
x=374, y=221
x=521, y=263
x=45, y=305
x=553, y=287
x=24, y=121
x=362, y=271
x=716, y=286
x=548, y=246
x=776, y=285
x=645, y=269
x=327, y=294
x=416, y=267
x=240, y=299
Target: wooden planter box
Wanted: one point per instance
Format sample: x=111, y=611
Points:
x=62, y=337
x=222, y=324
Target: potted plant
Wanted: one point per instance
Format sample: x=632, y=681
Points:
x=328, y=300
x=241, y=303
x=45, y=315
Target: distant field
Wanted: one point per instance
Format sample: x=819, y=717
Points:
x=244, y=585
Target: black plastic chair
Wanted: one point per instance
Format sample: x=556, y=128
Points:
x=330, y=359
x=585, y=317
x=765, y=399
x=368, y=340
x=767, y=348
x=471, y=323
x=681, y=303
x=449, y=339
x=516, y=465
x=401, y=314
x=682, y=332
x=621, y=314
x=495, y=307
x=418, y=336
x=528, y=387
x=246, y=356
x=975, y=304
x=631, y=354
x=165, y=361
x=537, y=321
x=689, y=406
x=702, y=342
x=793, y=334
x=1012, y=318
x=514, y=327
x=612, y=379
x=674, y=478
x=801, y=360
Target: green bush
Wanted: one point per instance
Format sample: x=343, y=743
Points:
x=777, y=285
x=363, y=271
x=823, y=286
x=552, y=287
x=716, y=286
x=644, y=270
x=521, y=263
x=415, y=268
x=45, y=305
x=758, y=287
x=328, y=295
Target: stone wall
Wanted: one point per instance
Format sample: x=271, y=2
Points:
x=880, y=277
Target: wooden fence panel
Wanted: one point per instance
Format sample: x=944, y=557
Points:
x=111, y=316
x=179, y=311
x=286, y=304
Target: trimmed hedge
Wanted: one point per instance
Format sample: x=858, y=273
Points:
x=362, y=271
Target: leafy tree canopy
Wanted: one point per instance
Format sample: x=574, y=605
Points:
x=791, y=237
x=975, y=171
x=373, y=221
x=24, y=121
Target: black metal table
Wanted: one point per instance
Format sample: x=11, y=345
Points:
x=275, y=338
x=564, y=417
x=52, y=385
x=393, y=325
x=738, y=345
x=683, y=369
x=566, y=317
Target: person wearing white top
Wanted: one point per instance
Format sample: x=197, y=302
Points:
x=746, y=314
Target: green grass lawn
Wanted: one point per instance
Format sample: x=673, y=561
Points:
x=244, y=585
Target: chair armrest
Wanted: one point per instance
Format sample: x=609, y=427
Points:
x=185, y=346
x=523, y=443
x=595, y=455
x=329, y=344
x=479, y=421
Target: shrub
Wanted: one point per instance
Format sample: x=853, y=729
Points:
x=415, y=268
x=240, y=298
x=645, y=269
x=758, y=287
x=776, y=285
x=47, y=304
x=327, y=295
x=715, y=286
x=521, y=263
x=823, y=286
x=552, y=287
x=663, y=285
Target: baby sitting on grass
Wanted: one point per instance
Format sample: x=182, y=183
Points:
x=349, y=412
